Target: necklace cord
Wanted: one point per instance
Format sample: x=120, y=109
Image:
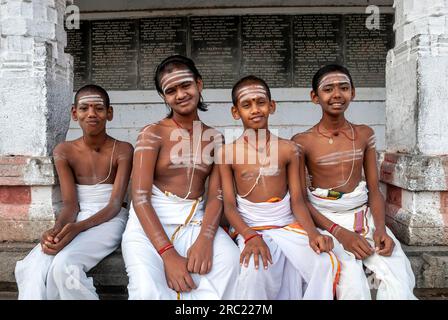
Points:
x=268, y=148
x=195, y=155
x=110, y=165
x=353, y=159
x=334, y=133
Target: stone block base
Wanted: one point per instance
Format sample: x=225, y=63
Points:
x=29, y=197
x=416, y=194
x=430, y=266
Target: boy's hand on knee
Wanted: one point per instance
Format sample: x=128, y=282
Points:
x=177, y=276
x=48, y=239
x=384, y=244
x=354, y=243
x=62, y=238
x=47, y=250
x=256, y=246
x=321, y=243
x=68, y=232
x=200, y=256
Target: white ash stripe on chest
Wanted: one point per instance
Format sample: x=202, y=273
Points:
x=339, y=157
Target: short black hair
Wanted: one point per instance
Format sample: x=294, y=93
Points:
x=246, y=80
x=328, y=69
x=92, y=88
x=169, y=64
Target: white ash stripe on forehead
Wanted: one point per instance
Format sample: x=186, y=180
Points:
x=342, y=76
x=170, y=77
x=252, y=95
x=338, y=154
x=251, y=89
x=95, y=98
x=174, y=73
x=166, y=80
x=334, y=78
x=176, y=82
x=91, y=96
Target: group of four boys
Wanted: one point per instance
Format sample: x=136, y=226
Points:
x=306, y=215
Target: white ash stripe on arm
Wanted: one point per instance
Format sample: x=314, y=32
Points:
x=371, y=142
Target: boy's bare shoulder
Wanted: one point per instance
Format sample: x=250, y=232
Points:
x=152, y=134
x=285, y=143
x=152, y=128
x=124, y=147
x=288, y=146
x=364, y=131
x=64, y=149
x=303, y=138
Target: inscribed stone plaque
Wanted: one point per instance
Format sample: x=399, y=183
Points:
x=159, y=39
x=215, y=50
x=114, y=54
x=78, y=45
x=266, y=49
x=317, y=41
x=285, y=50
x=366, y=50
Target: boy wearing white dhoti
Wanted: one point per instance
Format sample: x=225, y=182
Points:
x=94, y=172
x=173, y=247
x=351, y=212
x=181, y=220
x=268, y=212
x=336, y=153
x=293, y=260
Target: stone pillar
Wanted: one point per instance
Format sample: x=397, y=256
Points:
x=35, y=94
x=414, y=167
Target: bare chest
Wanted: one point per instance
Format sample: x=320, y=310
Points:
x=182, y=157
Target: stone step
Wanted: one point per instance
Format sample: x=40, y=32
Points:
x=7, y=295
x=430, y=266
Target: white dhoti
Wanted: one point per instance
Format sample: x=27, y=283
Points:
x=40, y=276
x=394, y=273
x=297, y=272
x=181, y=220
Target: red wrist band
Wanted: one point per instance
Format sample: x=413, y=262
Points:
x=333, y=227
x=165, y=248
x=252, y=236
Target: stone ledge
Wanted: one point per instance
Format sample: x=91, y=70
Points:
x=414, y=172
x=27, y=171
x=430, y=266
